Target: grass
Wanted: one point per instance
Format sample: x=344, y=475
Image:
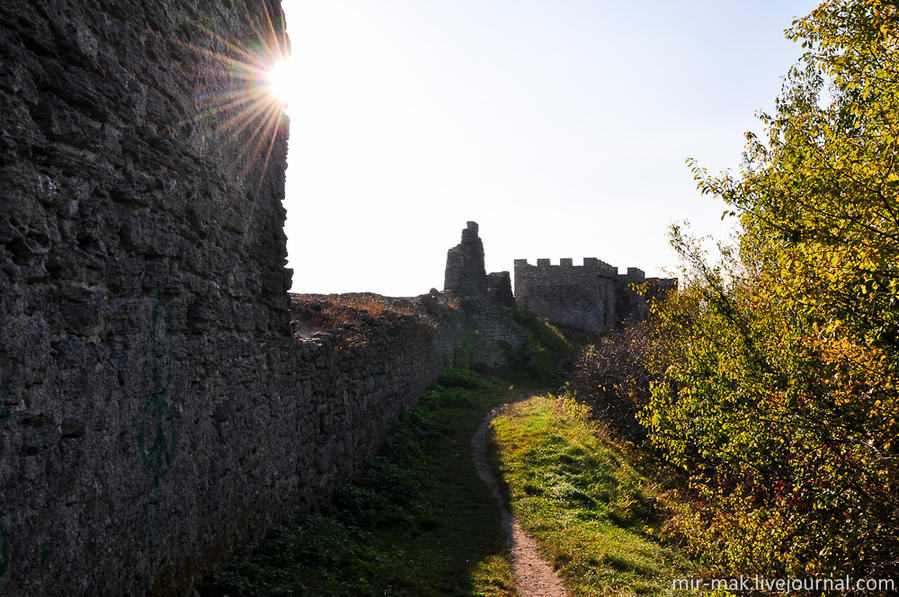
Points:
x=595, y=517
x=417, y=522
x=420, y=522
x=546, y=348
x=334, y=311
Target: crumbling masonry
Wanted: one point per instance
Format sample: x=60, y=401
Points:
x=486, y=299
x=592, y=297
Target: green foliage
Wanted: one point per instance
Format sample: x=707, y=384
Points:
x=595, y=516
x=418, y=521
x=545, y=334
x=777, y=370
x=462, y=353
x=547, y=347
x=463, y=378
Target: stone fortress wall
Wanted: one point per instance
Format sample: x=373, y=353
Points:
x=159, y=406
x=592, y=297
x=153, y=417
x=486, y=299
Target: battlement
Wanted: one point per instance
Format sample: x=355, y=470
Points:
x=591, y=264
x=635, y=272
x=594, y=296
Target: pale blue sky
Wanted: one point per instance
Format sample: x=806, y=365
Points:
x=560, y=126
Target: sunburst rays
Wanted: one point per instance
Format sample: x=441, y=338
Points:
x=231, y=96
x=251, y=112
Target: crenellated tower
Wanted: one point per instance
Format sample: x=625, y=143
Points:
x=592, y=297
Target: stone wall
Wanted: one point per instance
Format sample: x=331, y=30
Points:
x=144, y=321
x=163, y=400
x=486, y=300
x=499, y=289
x=581, y=297
x=361, y=358
x=592, y=297
x=157, y=411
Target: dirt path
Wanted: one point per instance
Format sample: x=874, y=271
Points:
x=533, y=575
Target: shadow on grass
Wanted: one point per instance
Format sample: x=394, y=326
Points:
x=417, y=522
x=596, y=518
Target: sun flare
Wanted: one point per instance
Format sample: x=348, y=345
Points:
x=281, y=80
x=242, y=90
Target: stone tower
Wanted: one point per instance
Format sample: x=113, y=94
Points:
x=465, y=273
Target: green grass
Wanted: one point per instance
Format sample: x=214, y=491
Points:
x=595, y=517
x=420, y=522
x=417, y=522
x=546, y=347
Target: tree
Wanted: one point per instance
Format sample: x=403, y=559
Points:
x=780, y=398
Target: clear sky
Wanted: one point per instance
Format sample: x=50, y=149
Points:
x=560, y=126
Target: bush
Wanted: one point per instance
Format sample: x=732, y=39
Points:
x=613, y=378
x=546, y=350
x=782, y=396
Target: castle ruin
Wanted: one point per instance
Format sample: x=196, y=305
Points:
x=486, y=298
x=592, y=297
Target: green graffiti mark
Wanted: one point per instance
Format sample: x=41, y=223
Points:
x=157, y=438
x=45, y=553
x=5, y=414
x=5, y=555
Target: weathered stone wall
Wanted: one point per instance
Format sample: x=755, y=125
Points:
x=147, y=423
x=499, y=289
x=592, y=297
x=627, y=302
x=157, y=410
x=581, y=297
x=486, y=300
x=496, y=333
x=361, y=358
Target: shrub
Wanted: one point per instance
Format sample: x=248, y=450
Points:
x=613, y=377
x=782, y=397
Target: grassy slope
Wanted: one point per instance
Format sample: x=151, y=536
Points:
x=417, y=522
x=420, y=522
x=575, y=493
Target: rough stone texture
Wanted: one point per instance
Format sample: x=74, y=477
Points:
x=499, y=289
x=495, y=333
x=157, y=410
x=144, y=317
x=592, y=297
x=361, y=359
x=465, y=274
x=485, y=300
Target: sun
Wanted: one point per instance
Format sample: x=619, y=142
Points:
x=281, y=81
